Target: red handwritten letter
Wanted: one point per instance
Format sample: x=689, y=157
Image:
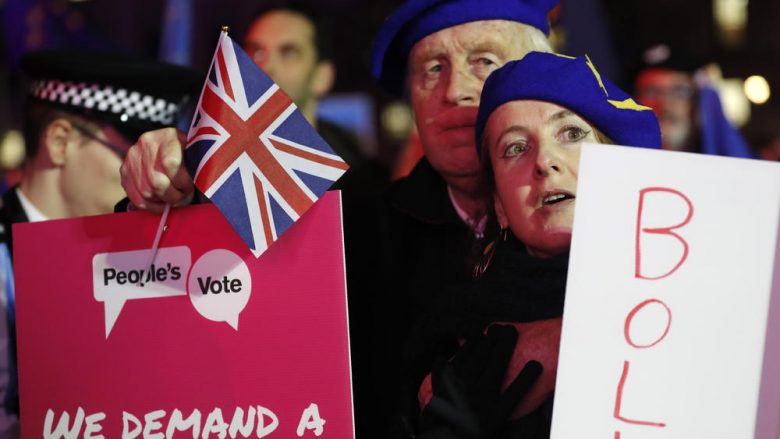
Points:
x=659, y=231
x=619, y=402
x=630, y=317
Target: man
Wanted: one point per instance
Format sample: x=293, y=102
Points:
x=430, y=224
x=689, y=110
x=443, y=51
x=416, y=239
x=83, y=109
x=82, y=113
x=292, y=45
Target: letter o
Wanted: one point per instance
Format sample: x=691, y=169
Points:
x=630, y=317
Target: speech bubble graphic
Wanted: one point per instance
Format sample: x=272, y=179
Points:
x=220, y=285
x=122, y=276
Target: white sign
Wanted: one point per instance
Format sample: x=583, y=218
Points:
x=220, y=286
x=672, y=319
x=121, y=276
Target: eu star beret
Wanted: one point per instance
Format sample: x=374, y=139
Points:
x=575, y=84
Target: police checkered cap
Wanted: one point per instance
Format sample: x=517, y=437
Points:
x=107, y=99
x=132, y=94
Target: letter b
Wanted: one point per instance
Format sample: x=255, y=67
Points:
x=644, y=232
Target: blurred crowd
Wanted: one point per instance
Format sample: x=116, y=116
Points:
x=475, y=113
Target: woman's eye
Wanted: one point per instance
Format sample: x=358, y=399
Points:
x=574, y=134
x=515, y=149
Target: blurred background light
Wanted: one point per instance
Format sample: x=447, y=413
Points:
x=11, y=149
x=736, y=107
x=757, y=89
x=731, y=17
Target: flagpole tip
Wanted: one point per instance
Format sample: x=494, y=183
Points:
x=225, y=29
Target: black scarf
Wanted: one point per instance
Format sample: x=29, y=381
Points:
x=516, y=287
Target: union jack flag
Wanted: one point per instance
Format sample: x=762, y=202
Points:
x=251, y=151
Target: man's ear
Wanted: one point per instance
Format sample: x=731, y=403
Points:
x=503, y=221
x=54, y=142
x=324, y=78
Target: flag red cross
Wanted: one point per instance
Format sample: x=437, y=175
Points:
x=244, y=137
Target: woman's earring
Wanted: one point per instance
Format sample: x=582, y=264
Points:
x=487, y=255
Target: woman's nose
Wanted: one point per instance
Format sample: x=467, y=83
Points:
x=546, y=162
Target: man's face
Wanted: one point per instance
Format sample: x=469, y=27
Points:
x=447, y=70
x=282, y=44
x=90, y=181
x=670, y=94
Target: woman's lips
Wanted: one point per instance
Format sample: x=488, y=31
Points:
x=556, y=197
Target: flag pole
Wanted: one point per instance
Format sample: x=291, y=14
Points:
x=160, y=229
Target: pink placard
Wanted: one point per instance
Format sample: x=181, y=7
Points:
x=256, y=341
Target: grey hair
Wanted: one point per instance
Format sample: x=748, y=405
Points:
x=532, y=39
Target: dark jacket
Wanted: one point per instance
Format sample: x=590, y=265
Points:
x=402, y=249
x=10, y=214
x=365, y=177
x=516, y=287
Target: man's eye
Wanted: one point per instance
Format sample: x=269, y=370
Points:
x=259, y=56
x=515, y=149
x=486, y=61
x=433, y=68
x=290, y=53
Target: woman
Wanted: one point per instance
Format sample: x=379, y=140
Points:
x=533, y=117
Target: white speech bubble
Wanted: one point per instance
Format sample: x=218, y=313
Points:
x=220, y=286
x=122, y=276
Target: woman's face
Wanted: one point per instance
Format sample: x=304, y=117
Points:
x=535, y=154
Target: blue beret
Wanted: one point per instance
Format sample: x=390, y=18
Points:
x=416, y=19
x=575, y=84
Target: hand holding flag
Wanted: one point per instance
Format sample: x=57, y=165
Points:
x=252, y=152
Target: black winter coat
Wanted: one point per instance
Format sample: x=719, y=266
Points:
x=402, y=249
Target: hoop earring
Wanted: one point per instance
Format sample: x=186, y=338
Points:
x=487, y=255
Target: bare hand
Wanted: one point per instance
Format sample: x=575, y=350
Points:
x=153, y=173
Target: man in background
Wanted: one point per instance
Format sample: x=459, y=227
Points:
x=82, y=113
x=292, y=44
x=675, y=85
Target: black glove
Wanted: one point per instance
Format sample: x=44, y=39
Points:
x=467, y=401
